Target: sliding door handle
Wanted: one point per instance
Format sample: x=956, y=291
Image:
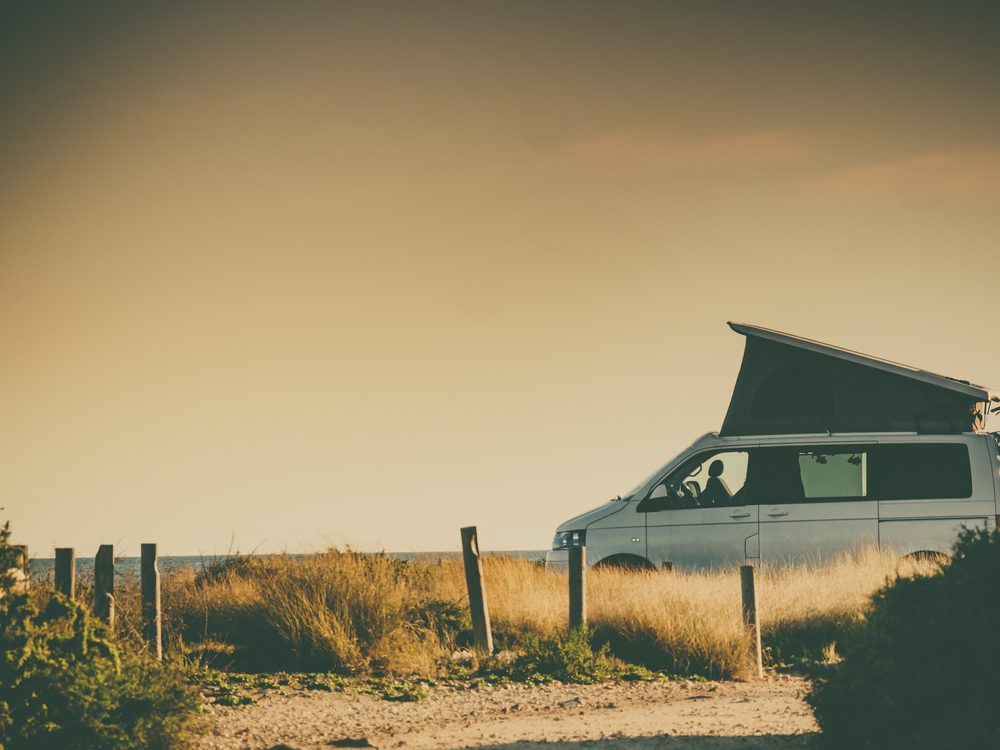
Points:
x=739, y=514
x=778, y=512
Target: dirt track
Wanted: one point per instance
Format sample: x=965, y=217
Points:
x=632, y=716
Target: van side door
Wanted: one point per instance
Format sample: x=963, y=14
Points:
x=814, y=501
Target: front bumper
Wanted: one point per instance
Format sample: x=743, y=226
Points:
x=557, y=561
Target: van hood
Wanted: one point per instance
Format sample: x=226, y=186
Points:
x=578, y=523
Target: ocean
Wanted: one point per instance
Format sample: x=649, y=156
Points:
x=41, y=567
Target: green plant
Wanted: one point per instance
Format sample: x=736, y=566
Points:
x=925, y=672
x=567, y=657
x=64, y=684
x=10, y=560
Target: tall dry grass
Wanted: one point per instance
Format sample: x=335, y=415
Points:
x=681, y=623
x=334, y=611
x=810, y=608
x=522, y=598
x=340, y=611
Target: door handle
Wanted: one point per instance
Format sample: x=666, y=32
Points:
x=739, y=514
x=778, y=512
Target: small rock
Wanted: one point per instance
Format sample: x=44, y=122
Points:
x=346, y=742
x=573, y=703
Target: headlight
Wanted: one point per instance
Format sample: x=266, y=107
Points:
x=564, y=539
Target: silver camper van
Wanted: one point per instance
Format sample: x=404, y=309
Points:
x=822, y=451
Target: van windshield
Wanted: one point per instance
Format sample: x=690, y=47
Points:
x=647, y=480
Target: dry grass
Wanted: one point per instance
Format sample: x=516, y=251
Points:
x=521, y=597
x=809, y=608
x=352, y=613
x=681, y=623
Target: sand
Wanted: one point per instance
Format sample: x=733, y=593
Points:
x=767, y=713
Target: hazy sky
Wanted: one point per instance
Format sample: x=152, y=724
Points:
x=282, y=275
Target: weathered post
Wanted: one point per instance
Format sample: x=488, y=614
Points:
x=66, y=571
x=751, y=617
x=104, y=584
x=24, y=563
x=577, y=587
x=150, y=581
x=477, y=591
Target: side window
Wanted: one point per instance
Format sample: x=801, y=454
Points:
x=808, y=474
x=834, y=475
x=704, y=481
x=922, y=471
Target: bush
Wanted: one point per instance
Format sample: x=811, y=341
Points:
x=63, y=684
x=925, y=672
x=564, y=657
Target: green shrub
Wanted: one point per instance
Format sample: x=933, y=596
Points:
x=565, y=657
x=925, y=672
x=63, y=684
x=10, y=559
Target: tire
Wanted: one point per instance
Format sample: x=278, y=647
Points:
x=920, y=558
x=925, y=555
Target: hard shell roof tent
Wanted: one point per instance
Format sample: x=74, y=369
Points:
x=791, y=385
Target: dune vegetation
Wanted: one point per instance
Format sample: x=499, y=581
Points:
x=355, y=614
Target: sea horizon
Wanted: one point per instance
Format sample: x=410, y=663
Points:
x=41, y=567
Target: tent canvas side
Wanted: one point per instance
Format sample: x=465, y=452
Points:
x=790, y=385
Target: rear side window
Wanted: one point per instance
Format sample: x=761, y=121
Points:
x=921, y=471
x=816, y=474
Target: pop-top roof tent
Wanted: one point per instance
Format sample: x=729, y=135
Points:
x=791, y=385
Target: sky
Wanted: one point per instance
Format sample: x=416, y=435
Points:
x=279, y=276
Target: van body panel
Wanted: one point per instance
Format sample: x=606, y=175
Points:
x=924, y=535
x=993, y=449
x=796, y=532
x=900, y=510
x=605, y=542
x=701, y=537
x=600, y=513
x=557, y=560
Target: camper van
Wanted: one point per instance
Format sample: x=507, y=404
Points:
x=823, y=451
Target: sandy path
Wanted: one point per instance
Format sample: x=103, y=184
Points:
x=632, y=716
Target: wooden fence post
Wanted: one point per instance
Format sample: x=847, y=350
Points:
x=24, y=563
x=751, y=617
x=150, y=581
x=477, y=591
x=66, y=571
x=577, y=587
x=104, y=584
